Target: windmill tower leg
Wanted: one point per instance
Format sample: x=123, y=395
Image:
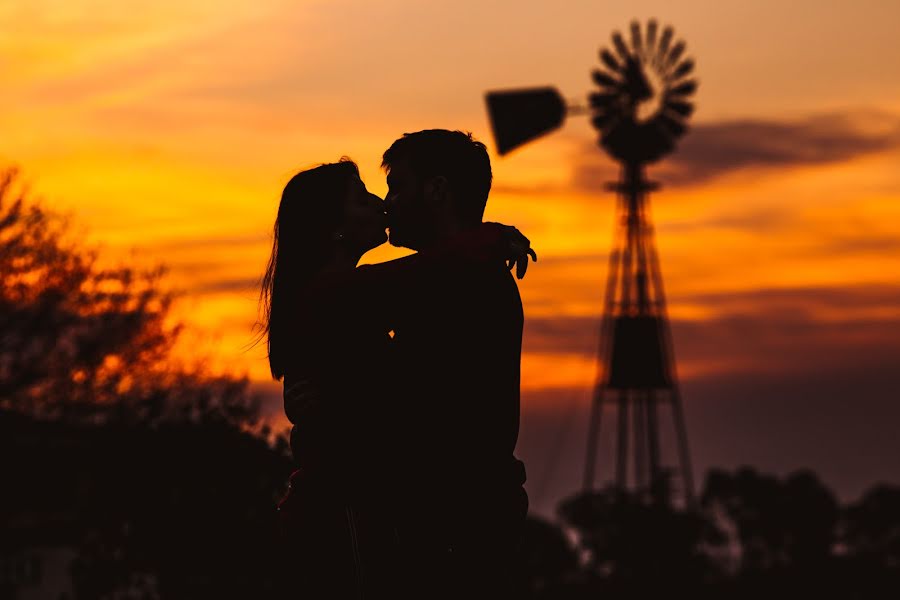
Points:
x=622, y=442
x=636, y=363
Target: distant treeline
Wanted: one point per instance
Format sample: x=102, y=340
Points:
x=751, y=535
x=186, y=509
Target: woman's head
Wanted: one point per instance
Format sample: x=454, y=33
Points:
x=325, y=213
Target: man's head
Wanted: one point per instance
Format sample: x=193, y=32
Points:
x=438, y=183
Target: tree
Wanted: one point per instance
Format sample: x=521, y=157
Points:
x=637, y=548
x=547, y=561
x=151, y=471
x=81, y=342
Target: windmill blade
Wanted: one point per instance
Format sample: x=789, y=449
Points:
x=665, y=139
x=662, y=131
x=675, y=54
x=635, y=81
x=621, y=48
x=685, y=89
x=610, y=61
x=683, y=69
x=651, y=36
x=674, y=126
x=636, y=38
x=519, y=116
x=664, y=42
x=682, y=109
x=602, y=120
x=602, y=100
x=605, y=79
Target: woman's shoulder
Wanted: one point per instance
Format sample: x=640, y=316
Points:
x=328, y=301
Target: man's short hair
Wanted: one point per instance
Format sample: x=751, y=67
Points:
x=456, y=155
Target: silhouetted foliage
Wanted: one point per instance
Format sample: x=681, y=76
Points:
x=870, y=541
x=639, y=546
x=779, y=523
x=152, y=473
x=84, y=342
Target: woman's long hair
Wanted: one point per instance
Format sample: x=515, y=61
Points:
x=311, y=209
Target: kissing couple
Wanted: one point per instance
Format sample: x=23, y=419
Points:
x=401, y=379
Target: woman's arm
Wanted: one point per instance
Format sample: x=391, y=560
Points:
x=486, y=243
x=379, y=287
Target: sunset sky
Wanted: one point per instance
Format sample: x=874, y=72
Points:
x=167, y=130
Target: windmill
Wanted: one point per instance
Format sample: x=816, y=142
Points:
x=640, y=110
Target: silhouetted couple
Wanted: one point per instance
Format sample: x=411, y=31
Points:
x=401, y=378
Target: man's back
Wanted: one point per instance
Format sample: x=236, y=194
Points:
x=458, y=345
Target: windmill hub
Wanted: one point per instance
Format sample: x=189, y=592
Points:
x=642, y=107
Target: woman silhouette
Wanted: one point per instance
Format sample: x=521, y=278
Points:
x=328, y=324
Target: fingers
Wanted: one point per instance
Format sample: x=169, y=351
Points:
x=299, y=398
x=521, y=264
x=520, y=261
x=519, y=250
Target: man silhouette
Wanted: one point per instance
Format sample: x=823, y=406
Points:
x=457, y=347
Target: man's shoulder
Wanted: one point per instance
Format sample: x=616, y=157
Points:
x=487, y=289
x=481, y=273
x=466, y=288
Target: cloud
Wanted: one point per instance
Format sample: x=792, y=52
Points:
x=751, y=218
x=800, y=330
x=805, y=390
x=712, y=150
x=716, y=149
x=764, y=301
x=237, y=284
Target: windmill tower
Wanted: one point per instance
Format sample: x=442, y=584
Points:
x=640, y=111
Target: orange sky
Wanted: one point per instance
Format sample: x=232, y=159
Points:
x=169, y=128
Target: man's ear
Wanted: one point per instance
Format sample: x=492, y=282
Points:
x=437, y=190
